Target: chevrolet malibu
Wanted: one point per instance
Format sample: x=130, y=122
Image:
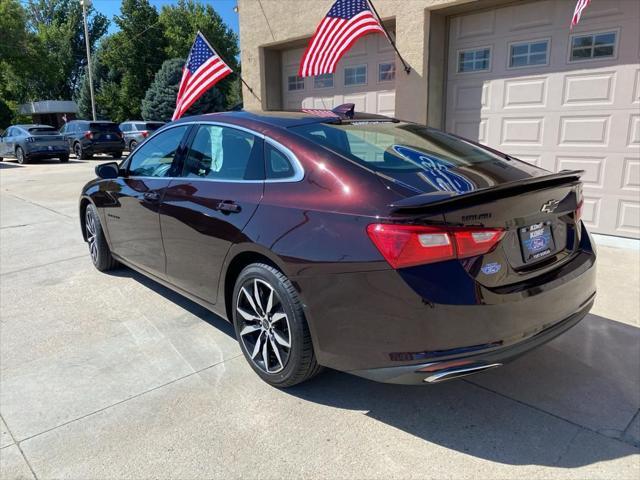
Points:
x=369, y=245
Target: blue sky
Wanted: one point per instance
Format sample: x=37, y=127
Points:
x=223, y=7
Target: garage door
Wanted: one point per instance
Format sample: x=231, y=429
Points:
x=520, y=81
x=365, y=76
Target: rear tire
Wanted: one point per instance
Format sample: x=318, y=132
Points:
x=22, y=158
x=132, y=145
x=81, y=153
x=273, y=334
x=98, y=248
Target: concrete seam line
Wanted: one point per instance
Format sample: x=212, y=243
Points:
x=43, y=265
x=38, y=205
x=546, y=412
x=566, y=448
x=626, y=429
x=18, y=442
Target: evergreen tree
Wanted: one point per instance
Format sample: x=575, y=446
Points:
x=160, y=100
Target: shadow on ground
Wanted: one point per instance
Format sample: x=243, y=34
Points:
x=582, y=384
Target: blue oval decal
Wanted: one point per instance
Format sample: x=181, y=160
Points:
x=491, y=268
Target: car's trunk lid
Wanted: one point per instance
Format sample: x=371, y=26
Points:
x=537, y=213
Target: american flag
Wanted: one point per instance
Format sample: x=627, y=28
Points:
x=346, y=22
x=577, y=13
x=204, y=68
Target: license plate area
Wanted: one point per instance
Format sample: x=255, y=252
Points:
x=536, y=241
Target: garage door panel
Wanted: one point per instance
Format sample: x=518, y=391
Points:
x=525, y=92
x=631, y=175
x=636, y=88
x=593, y=168
x=633, y=136
x=589, y=89
x=584, y=130
x=532, y=15
x=522, y=131
x=471, y=97
x=628, y=217
x=475, y=25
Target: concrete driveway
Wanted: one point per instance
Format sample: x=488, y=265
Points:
x=113, y=376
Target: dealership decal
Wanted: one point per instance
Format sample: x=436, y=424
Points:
x=491, y=268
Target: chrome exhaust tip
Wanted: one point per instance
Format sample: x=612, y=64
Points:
x=458, y=372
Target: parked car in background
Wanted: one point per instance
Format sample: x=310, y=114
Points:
x=135, y=131
x=87, y=138
x=31, y=142
x=378, y=247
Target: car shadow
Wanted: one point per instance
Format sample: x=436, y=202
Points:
x=5, y=164
x=183, y=302
x=526, y=413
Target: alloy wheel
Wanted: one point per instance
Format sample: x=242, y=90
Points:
x=265, y=331
x=77, y=149
x=20, y=155
x=92, y=237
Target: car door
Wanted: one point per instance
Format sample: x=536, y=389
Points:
x=133, y=223
x=3, y=143
x=205, y=210
x=8, y=149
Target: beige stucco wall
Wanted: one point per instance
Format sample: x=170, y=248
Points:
x=268, y=23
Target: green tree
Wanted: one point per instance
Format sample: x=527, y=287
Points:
x=160, y=100
x=131, y=58
x=180, y=23
x=60, y=45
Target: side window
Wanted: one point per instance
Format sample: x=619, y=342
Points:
x=155, y=157
x=223, y=153
x=278, y=164
x=125, y=127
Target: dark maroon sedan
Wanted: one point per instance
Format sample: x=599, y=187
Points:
x=377, y=247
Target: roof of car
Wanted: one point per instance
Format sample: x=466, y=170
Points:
x=283, y=119
x=32, y=125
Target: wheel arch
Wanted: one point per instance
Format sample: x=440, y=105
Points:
x=84, y=203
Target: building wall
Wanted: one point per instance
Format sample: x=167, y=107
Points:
x=268, y=25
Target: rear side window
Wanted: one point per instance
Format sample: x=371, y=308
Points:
x=125, y=127
x=222, y=153
x=155, y=158
x=278, y=164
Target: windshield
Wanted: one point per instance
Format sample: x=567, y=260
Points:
x=43, y=131
x=396, y=147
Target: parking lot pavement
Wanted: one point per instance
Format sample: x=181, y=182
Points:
x=113, y=376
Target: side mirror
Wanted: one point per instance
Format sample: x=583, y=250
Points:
x=108, y=171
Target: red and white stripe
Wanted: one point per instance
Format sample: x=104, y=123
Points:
x=193, y=86
x=577, y=13
x=333, y=37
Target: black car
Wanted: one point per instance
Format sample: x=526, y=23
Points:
x=381, y=248
x=33, y=142
x=87, y=138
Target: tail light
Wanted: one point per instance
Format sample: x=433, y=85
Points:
x=578, y=213
x=409, y=245
x=145, y=133
x=30, y=139
x=88, y=135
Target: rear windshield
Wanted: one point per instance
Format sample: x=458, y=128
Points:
x=395, y=146
x=43, y=131
x=152, y=126
x=104, y=127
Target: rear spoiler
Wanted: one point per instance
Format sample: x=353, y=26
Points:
x=439, y=201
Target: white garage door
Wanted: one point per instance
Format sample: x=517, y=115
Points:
x=520, y=81
x=365, y=76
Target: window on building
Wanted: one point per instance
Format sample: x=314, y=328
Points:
x=477, y=60
x=528, y=53
x=594, y=45
x=294, y=82
x=323, y=81
x=386, y=72
x=356, y=75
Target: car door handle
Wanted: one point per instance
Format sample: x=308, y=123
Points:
x=151, y=196
x=228, y=206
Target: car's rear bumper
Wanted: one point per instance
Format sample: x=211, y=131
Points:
x=375, y=320
x=106, y=147
x=438, y=371
x=53, y=153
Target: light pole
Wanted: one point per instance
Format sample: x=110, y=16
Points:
x=84, y=4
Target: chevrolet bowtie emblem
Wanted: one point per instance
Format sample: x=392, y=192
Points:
x=549, y=206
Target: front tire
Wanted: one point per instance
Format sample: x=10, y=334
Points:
x=20, y=155
x=271, y=328
x=98, y=248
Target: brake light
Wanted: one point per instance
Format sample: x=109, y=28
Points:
x=145, y=133
x=409, y=245
x=88, y=134
x=31, y=139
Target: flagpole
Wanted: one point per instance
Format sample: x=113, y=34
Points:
x=225, y=61
x=407, y=68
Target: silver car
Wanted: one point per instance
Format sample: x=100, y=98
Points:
x=136, y=131
x=31, y=142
